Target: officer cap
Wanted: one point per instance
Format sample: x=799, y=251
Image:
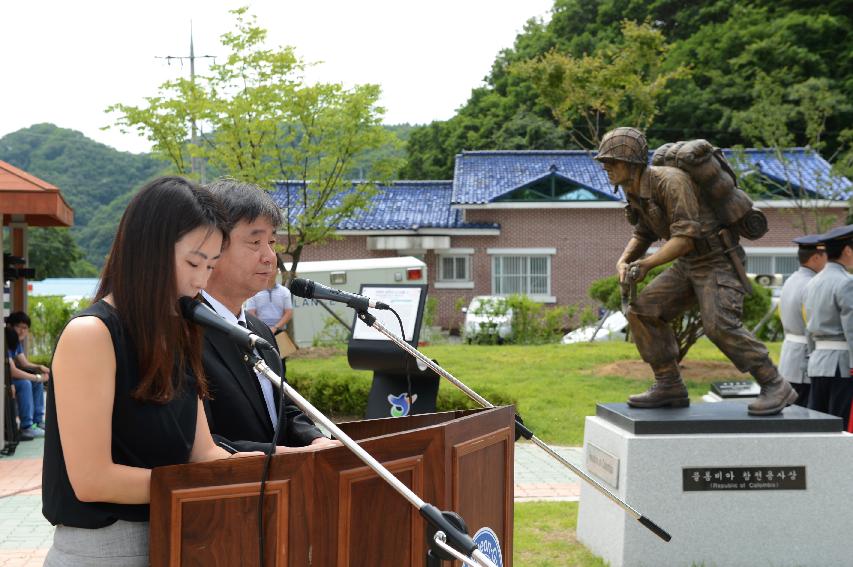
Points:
x=810, y=242
x=838, y=235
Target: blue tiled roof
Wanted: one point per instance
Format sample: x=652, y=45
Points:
x=482, y=176
x=801, y=167
x=401, y=205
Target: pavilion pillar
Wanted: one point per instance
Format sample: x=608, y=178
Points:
x=19, y=246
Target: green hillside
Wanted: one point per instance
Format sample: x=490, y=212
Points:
x=89, y=174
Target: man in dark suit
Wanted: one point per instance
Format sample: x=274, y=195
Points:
x=244, y=405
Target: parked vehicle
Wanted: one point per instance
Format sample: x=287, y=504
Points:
x=613, y=327
x=488, y=318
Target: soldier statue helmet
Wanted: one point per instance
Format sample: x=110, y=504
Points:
x=624, y=144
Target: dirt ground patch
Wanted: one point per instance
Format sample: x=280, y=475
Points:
x=691, y=370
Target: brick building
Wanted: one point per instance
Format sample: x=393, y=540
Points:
x=547, y=223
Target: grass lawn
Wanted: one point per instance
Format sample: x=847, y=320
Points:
x=555, y=386
x=545, y=536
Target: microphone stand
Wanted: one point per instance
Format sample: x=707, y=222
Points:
x=446, y=531
x=520, y=429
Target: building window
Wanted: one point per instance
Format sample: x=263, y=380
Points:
x=526, y=275
x=771, y=269
x=454, y=268
x=554, y=187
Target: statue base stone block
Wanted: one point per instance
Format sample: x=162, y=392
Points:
x=731, y=489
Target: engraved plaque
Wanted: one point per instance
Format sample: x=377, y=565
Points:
x=602, y=464
x=744, y=478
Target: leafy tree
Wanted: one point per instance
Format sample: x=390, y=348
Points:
x=54, y=253
x=261, y=123
x=772, y=121
x=790, y=43
x=619, y=84
x=97, y=237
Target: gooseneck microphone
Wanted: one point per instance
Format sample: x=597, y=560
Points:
x=313, y=290
x=201, y=314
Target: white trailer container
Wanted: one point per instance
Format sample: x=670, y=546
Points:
x=311, y=320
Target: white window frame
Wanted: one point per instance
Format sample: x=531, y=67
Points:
x=778, y=277
x=456, y=283
x=775, y=261
x=528, y=254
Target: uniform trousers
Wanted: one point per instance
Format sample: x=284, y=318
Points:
x=832, y=395
x=803, y=392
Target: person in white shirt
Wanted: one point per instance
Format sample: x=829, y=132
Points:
x=793, y=360
x=273, y=306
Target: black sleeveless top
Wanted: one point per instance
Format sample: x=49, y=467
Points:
x=144, y=435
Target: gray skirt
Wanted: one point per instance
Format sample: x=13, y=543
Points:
x=122, y=544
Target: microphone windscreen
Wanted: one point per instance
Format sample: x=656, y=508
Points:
x=302, y=288
x=188, y=305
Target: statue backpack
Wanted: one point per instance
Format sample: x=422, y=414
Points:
x=711, y=171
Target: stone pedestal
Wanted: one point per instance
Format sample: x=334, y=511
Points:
x=731, y=489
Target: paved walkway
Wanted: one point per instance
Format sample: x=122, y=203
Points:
x=25, y=535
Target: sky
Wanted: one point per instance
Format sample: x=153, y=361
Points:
x=66, y=62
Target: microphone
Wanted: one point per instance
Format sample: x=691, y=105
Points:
x=313, y=290
x=202, y=315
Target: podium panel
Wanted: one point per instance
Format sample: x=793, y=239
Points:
x=206, y=514
x=485, y=505
x=326, y=508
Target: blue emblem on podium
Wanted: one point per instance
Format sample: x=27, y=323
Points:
x=487, y=541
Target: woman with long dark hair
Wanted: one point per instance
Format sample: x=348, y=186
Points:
x=128, y=380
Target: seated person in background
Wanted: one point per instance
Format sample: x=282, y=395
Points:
x=273, y=306
x=28, y=378
x=128, y=380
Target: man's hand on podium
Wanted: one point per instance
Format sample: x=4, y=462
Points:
x=246, y=454
x=318, y=443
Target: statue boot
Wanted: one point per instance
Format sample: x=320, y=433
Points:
x=667, y=391
x=776, y=393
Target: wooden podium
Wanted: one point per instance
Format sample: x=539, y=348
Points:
x=326, y=508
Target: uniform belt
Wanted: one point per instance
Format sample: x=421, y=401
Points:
x=830, y=345
x=710, y=244
x=801, y=339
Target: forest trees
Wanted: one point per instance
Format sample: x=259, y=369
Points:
x=726, y=44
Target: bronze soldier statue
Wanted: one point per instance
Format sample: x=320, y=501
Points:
x=689, y=199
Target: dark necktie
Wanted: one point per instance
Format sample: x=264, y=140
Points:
x=266, y=393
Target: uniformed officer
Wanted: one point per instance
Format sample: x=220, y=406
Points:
x=665, y=203
x=828, y=304
x=794, y=357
